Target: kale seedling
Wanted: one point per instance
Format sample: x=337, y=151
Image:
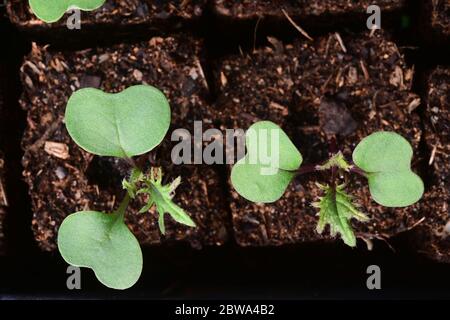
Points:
x=384, y=158
x=123, y=125
x=52, y=10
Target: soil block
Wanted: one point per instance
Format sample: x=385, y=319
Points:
x=311, y=13
x=437, y=13
x=346, y=86
x=436, y=241
x=114, y=17
x=64, y=179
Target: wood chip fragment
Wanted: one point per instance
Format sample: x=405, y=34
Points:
x=396, y=78
x=433, y=155
x=284, y=110
x=202, y=73
x=296, y=26
x=413, y=105
x=32, y=67
x=341, y=42
x=57, y=149
x=3, y=198
x=364, y=69
x=223, y=79
x=137, y=74
x=417, y=223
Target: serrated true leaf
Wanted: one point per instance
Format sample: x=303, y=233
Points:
x=103, y=243
x=124, y=124
x=269, y=165
x=53, y=10
x=336, y=210
x=161, y=196
x=386, y=158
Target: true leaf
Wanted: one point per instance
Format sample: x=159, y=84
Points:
x=161, y=196
x=336, y=209
x=124, y=124
x=386, y=158
x=103, y=243
x=265, y=179
x=53, y=10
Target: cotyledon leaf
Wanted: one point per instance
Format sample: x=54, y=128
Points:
x=103, y=243
x=125, y=124
x=269, y=165
x=386, y=158
x=53, y=10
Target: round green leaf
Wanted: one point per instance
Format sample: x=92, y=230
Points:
x=269, y=165
x=386, y=157
x=276, y=141
x=253, y=186
x=396, y=189
x=124, y=124
x=103, y=243
x=53, y=10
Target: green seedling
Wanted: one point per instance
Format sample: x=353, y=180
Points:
x=123, y=125
x=246, y=176
x=384, y=158
x=52, y=10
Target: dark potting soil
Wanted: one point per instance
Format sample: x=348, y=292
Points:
x=436, y=241
x=64, y=179
x=346, y=86
x=439, y=11
x=250, y=9
x=154, y=14
x=434, y=25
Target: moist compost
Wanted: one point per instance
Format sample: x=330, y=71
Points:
x=305, y=10
x=436, y=241
x=346, y=86
x=440, y=17
x=113, y=17
x=64, y=179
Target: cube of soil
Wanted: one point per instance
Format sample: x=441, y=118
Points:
x=113, y=17
x=64, y=179
x=323, y=12
x=436, y=241
x=437, y=13
x=350, y=86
